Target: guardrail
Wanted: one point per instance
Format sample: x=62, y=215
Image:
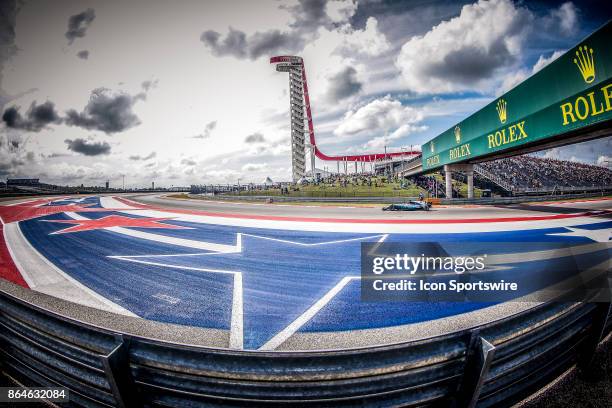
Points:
x=562, y=189
x=520, y=199
x=496, y=364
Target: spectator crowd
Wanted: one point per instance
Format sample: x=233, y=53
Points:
x=528, y=171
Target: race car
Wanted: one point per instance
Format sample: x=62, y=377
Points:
x=409, y=206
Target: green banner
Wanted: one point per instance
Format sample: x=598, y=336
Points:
x=572, y=92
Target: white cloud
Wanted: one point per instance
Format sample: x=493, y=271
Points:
x=554, y=153
x=403, y=131
x=468, y=51
x=380, y=114
x=225, y=175
x=254, y=166
x=564, y=19
x=544, y=61
x=604, y=160
x=369, y=41
x=513, y=79
x=339, y=11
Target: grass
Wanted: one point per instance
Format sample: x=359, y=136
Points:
x=383, y=189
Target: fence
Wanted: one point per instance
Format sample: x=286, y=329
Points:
x=496, y=364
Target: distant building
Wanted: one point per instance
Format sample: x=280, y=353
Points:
x=152, y=185
x=107, y=183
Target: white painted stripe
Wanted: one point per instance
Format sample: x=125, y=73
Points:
x=371, y=228
x=188, y=268
x=189, y=243
x=111, y=202
x=316, y=243
x=21, y=202
x=43, y=276
x=290, y=330
x=237, y=325
x=13, y=253
x=520, y=257
x=237, y=320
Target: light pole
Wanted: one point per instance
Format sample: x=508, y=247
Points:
x=238, y=186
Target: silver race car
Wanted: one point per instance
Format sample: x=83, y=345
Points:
x=409, y=206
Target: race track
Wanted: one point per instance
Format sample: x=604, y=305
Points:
x=272, y=277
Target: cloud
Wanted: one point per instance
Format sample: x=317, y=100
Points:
x=79, y=23
x=563, y=19
x=369, y=41
x=379, y=115
x=149, y=84
x=208, y=129
x=88, y=147
x=307, y=17
x=226, y=175
x=36, y=118
x=605, y=161
x=584, y=152
x=343, y=84
x=513, y=79
x=254, y=167
x=340, y=11
x=188, y=162
x=255, y=138
x=106, y=111
x=147, y=157
x=380, y=142
x=465, y=52
x=544, y=61
x=56, y=155
x=8, y=16
x=236, y=43
x=83, y=54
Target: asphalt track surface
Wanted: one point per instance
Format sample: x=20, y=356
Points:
x=264, y=276
x=373, y=211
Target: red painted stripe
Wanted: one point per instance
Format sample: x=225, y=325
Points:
x=8, y=269
x=365, y=221
x=571, y=201
x=132, y=203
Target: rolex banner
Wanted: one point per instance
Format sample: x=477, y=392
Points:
x=572, y=92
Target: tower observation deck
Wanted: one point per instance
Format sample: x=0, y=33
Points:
x=299, y=108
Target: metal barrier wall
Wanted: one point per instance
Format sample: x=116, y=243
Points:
x=496, y=364
x=401, y=199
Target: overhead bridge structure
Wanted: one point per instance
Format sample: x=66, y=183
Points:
x=569, y=101
x=300, y=111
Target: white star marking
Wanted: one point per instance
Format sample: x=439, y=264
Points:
x=600, y=235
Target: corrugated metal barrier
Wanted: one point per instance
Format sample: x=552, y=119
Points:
x=496, y=364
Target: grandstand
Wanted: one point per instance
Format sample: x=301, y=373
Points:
x=528, y=173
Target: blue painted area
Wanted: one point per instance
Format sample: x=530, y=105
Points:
x=595, y=226
x=280, y=279
x=90, y=202
x=344, y=311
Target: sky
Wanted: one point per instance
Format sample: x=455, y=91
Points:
x=182, y=92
